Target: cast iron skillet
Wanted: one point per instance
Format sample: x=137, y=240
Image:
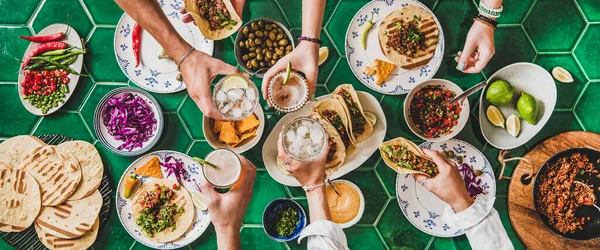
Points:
x=591, y=228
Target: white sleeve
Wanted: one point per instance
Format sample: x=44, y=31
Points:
x=324, y=235
x=481, y=224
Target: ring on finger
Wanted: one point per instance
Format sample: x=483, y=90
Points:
x=288, y=161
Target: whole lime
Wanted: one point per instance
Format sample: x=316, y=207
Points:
x=527, y=106
x=499, y=93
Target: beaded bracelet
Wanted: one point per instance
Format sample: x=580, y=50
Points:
x=489, y=11
x=310, y=39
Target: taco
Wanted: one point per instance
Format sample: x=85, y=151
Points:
x=337, y=151
x=216, y=19
x=408, y=37
x=333, y=111
x=360, y=126
x=405, y=157
x=174, y=205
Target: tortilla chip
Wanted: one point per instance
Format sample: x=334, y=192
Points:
x=150, y=168
x=247, y=124
x=217, y=126
x=380, y=69
x=228, y=134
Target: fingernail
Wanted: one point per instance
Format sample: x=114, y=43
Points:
x=461, y=66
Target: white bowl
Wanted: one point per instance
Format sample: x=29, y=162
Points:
x=462, y=119
x=246, y=145
x=361, y=209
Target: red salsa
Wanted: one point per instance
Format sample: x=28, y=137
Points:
x=429, y=115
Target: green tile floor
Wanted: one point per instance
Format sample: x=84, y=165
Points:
x=547, y=32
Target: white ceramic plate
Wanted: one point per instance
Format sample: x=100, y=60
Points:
x=201, y=218
x=73, y=39
x=535, y=81
x=400, y=80
x=214, y=142
x=422, y=208
x=153, y=74
x=353, y=161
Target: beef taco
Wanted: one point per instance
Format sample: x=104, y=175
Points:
x=408, y=37
x=333, y=111
x=337, y=151
x=169, y=200
x=216, y=19
x=405, y=157
x=360, y=126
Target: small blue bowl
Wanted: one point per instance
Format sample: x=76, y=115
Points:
x=270, y=218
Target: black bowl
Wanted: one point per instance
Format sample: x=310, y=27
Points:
x=591, y=228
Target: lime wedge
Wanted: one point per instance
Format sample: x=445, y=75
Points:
x=562, y=75
x=235, y=82
x=200, y=201
x=323, y=54
x=495, y=117
x=513, y=125
x=281, y=166
x=288, y=72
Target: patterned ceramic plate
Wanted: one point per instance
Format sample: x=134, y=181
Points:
x=400, y=81
x=154, y=74
x=194, y=173
x=422, y=208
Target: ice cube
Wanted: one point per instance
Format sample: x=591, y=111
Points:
x=316, y=134
x=302, y=131
x=221, y=96
x=290, y=136
x=236, y=112
x=250, y=94
x=307, y=142
x=226, y=108
x=247, y=106
x=307, y=123
x=235, y=95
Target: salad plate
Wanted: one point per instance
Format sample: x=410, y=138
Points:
x=425, y=210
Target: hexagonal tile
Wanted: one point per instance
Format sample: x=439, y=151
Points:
x=101, y=60
x=560, y=121
x=114, y=165
x=264, y=191
x=263, y=9
x=396, y=229
x=168, y=102
x=587, y=52
x=587, y=108
x=89, y=107
x=104, y=12
x=558, y=31
x=17, y=11
x=491, y=154
x=394, y=114
x=501, y=206
x=174, y=136
x=208, y=240
x=192, y=117
x=14, y=111
x=363, y=238
x=343, y=74
x=256, y=238
x=84, y=86
x=372, y=190
x=113, y=236
x=449, y=72
x=514, y=11
x=458, y=243
x=67, y=124
x=327, y=67
x=568, y=91
x=456, y=18
x=292, y=10
x=48, y=14
x=12, y=47
x=224, y=51
x=340, y=20
x=511, y=46
x=430, y=3
x=591, y=9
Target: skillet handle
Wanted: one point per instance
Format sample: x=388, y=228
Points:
x=526, y=178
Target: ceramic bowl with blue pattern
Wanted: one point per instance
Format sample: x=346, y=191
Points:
x=271, y=216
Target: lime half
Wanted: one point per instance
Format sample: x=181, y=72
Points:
x=495, y=117
x=513, y=125
x=235, y=82
x=562, y=75
x=199, y=201
x=323, y=54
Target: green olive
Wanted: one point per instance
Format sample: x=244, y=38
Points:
x=242, y=44
x=280, y=30
x=254, y=25
x=259, y=33
x=273, y=62
x=261, y=23
x=252, y=49
x=245, y=58
x=258, y=41
x=268, y=27
x=254, y=63
x=245, y=30
x=272, y=35
x=252, y=44
x=260, y=57
x=283, y=42
x=247, y=42
x=251, y=36
x=279, y=52
x=252, y=54
x=279, y=36
x=289, y=48
x=249, y=64
x=269, y=54
x=275, y=57
x=259, y=50
x=263, y=64
x=275, y=26
x=269, y=43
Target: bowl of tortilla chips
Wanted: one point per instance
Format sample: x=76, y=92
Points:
x=239, y=136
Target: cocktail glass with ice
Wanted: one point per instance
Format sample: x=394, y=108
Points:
x=304, y=139
x=235, y=97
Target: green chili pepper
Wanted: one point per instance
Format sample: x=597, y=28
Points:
x=63, y=67
x=366, y=28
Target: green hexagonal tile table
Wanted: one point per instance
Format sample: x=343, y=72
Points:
x=530, y=31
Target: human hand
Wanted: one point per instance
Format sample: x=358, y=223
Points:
x=307, y=173
x=448, y=185
x=198, y=71
x=480, y=38
x=304, y=58
x=238, y=5
x=227, y=210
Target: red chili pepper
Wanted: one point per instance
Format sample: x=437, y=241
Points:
x=135, y=42
x=46, y=38
x=41, y=49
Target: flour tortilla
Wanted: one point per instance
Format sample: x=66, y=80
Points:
x=91, y=167
x=340, y=154
x=336, y=106
x=83, y=242
x=368, y=125
x=428, y=27
x=19, y=200
x=56, y=170
x=191, y=7
x=13, y=150
x=411, y=146
x=71, y=219
x=182, y=199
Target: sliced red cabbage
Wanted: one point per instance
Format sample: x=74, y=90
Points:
x=175, y=167
x=471, y=181
x=130, y=119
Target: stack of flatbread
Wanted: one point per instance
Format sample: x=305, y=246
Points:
x=53, y=187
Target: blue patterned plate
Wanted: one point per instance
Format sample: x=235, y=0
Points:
x=422, y=208
x=400, y=81
x=154, y=74
x=201, y=218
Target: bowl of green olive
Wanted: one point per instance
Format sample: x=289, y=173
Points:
x=260, y=43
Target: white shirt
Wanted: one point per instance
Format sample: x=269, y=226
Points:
x=482, y=227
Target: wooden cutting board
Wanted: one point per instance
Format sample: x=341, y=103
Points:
x=521, y=211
